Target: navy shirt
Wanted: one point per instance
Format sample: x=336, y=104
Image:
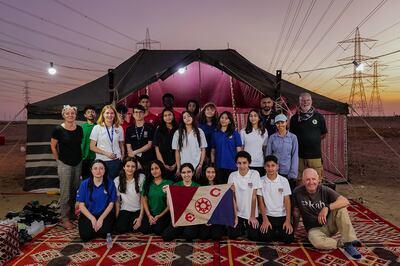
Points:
x=225, y=149
x=208, y=131
x=100, y=198
x=269, y=122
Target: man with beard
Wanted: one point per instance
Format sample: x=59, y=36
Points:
x=149, y=117
x=268, y=114
x=310, y=128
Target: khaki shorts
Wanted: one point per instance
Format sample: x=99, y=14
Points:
x=310, y=163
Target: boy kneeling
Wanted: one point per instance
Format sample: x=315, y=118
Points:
x=274, y=202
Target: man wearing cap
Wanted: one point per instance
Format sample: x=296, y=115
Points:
x=284, y=146
x=310, y=128
x=324, y=214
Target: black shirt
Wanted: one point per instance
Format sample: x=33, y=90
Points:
x=69, y=144
x=163, y=140
x=269, y=122
x=137, y=137
x=309, y=134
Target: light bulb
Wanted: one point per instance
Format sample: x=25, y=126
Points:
x=52, y=70
x=182, y=70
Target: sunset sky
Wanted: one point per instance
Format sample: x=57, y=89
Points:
x=99, y=34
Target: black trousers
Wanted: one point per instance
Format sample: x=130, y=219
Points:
x=223, y=175
x=214, y=232
x=86, y=231
x=243, y=228
x=157, y=228
x=187, y=232
x=277, y=233
x=125, y=220
x=292, y=182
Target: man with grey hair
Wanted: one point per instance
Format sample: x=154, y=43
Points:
x=324, y=214
x=310, y=128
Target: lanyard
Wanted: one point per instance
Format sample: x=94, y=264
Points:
x=111, y=137
x=139, y=137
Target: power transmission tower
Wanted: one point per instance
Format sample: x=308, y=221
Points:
x=26, y=94
x=147, y=42
x=375, y=102
x=357, y=98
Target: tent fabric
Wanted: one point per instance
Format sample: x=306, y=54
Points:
x=149, y=66
x=210, y=77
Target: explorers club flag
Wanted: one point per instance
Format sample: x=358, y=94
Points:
x=201, y=205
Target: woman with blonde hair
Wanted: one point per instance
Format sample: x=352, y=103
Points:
x=65, y=145
x=107, y=140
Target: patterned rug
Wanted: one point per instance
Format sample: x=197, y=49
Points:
x=57, y=246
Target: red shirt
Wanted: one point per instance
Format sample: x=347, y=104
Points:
x=151, y=118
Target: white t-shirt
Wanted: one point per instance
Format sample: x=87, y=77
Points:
x=253, y=143
x=274, y=192
x=244, y=187
x=130, y=200
x=103, y=140
x=191, y=152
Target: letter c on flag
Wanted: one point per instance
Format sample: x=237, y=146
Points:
x=189, y=217
x=215, y=192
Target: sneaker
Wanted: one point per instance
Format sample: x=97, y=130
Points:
x=356, y=243
x=352, y=251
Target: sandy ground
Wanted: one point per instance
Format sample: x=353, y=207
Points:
x=373, y=168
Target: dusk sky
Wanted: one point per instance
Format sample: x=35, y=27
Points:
x=100, y=34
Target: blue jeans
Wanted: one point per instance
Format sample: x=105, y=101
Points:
x=113, y=167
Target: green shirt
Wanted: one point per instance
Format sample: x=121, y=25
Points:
x=87, y=154
x=180, y=183
x=157, y=198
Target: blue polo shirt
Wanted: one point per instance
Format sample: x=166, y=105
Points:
x=208, y=131
x=100, y=198
x=225, y=149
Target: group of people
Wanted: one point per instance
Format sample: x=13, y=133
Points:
x=116, y=169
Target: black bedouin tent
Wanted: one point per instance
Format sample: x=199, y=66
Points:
x=154, y=71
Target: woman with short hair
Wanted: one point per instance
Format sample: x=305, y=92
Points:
x=65, y=145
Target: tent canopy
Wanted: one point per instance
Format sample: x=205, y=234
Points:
x=149, y=67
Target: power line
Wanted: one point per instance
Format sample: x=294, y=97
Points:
x=64, y=27
x=20, y=54
x=27, y=45
x=59, y=39
x=341, y=65
x=325, y=34
x=303, y=22
x=358, y=26
x=281, y=33
x=311, y=33
x=296, y=13
x=94, y=20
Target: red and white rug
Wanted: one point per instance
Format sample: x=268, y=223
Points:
x=58, y=246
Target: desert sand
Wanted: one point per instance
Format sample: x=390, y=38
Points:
x=374, y=170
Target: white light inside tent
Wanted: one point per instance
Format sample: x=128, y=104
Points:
x=182, y=70
x=360, y=67
x=52, y=70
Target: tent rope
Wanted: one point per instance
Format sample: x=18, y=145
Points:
x=12, y=120
x=233, y=101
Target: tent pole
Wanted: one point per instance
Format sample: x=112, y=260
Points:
x=278, y=84
x=111, y=86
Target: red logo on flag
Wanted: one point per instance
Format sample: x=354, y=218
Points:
x=189, y=217
x=203, y=205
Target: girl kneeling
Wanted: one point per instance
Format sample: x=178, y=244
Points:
x=128, y=207
x=189, y=232
x=96, y=197
x=154, y=200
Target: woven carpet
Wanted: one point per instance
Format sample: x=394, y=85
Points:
x=57, y=246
